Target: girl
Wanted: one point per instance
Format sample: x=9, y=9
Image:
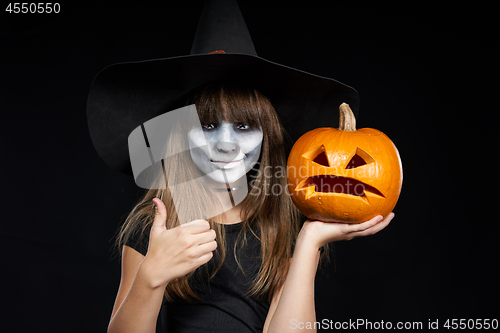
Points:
x=250, y=268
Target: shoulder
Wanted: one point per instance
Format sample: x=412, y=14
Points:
x=138, y=240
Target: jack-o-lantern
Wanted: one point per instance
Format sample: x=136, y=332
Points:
x=344, y=175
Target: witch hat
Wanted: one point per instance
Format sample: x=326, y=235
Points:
x=123, y=96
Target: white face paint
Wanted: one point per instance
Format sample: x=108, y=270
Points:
x=225, y=151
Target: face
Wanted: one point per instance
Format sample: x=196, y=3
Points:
x=225, y=151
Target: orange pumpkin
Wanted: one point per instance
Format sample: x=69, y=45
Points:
x=344, y=175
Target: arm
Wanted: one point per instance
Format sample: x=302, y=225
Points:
x=171, y=254
x=294, y=304
x=137, y=303
x=295, y=301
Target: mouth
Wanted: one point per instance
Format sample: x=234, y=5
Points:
x=337, y=184
x=225, y=164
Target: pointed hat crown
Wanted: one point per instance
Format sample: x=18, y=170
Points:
x=222, y=28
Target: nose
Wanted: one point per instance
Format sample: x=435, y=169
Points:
x=225, y=142
x=226, y=147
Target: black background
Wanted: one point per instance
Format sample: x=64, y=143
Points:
x=427, y=77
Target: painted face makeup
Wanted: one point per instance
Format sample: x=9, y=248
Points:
x=225, y=151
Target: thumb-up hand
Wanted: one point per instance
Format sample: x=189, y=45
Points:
x=173, y=253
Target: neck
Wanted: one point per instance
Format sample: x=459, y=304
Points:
x=232, y=216
x=232, y=213
x=230, y=195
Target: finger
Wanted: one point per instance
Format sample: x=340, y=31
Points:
x=160, y=215
x=375, y=228
x=205, y=258
x=203, y=249
x=204, y=237
x=196, y=226
x=359, y=227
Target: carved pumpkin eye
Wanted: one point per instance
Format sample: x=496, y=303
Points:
x=360, y=158
x=322, y=159
x=317, y=155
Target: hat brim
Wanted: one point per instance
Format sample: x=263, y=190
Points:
x=125, y=95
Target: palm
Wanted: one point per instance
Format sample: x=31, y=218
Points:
x=326, y=232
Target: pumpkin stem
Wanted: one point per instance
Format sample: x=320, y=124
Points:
x=347, y=120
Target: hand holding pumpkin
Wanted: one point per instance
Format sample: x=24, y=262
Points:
x=318, y=233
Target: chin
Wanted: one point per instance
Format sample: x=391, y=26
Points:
x=217, y=176
x=231, y=176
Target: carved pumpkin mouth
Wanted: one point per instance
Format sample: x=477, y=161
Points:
x=337, y=184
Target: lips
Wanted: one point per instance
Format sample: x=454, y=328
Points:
x=225, y=164
x=336, y=185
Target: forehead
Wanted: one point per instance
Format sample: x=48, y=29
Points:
x=229, y=105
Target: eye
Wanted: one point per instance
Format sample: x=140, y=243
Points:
x=242, y=126
x=209, y=127
x=360, y=158
x=322, y=159
x=356, y=161
x=318, y=155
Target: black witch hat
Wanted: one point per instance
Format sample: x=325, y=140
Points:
x=123, y=96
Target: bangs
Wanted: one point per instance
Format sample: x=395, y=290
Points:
x=216, y=104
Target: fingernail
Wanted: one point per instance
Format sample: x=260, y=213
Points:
x=156, y=205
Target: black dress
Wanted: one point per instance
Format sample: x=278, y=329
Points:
x=225, y=307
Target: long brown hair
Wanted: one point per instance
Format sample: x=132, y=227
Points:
x=271, y=217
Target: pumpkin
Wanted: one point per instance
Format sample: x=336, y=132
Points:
x=344, y=175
